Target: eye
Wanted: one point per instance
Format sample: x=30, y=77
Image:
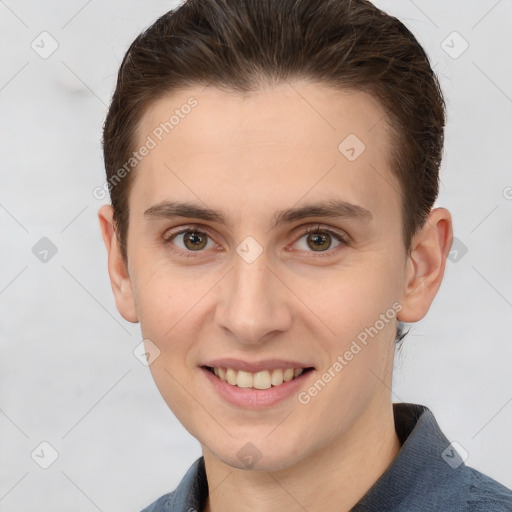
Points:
x=190, y=240
x=317, y=239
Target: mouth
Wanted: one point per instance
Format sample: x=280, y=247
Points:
x=260, y=380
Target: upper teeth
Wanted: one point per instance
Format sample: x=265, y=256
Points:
x=259, y=380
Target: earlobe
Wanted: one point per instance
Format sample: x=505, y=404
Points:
x=117, y=270
x=425, y=265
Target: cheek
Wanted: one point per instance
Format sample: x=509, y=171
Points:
x=159, y=305
x=360, y=309
x=165, y=306
x=353, y=299
x=171, y=305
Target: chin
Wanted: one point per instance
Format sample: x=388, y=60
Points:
x=258, y=455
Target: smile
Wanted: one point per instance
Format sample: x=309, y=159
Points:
x=256, y=384
x=258, y=380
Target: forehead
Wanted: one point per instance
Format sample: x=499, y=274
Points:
x=281, y=143
x=287, y=112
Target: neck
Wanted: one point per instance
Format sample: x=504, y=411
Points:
x=341, y=473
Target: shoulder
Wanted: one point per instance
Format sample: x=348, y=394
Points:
x=162, y=504
x=190, y=494
x=429, y=474
x=469, y=490
x=485, y=494
x=463, y=490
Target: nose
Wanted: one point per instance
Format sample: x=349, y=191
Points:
x=253, y=302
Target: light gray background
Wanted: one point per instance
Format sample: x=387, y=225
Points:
x=68, y=374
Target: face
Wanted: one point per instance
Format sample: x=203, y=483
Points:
x=264, y=242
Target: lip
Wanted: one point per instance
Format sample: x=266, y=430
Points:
x=256, y=366
x=250, y=398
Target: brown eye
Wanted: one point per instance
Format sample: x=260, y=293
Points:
x=190, y=240
x=195, y=241
x=318, y=241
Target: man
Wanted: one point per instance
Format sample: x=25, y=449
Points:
x=272, y=166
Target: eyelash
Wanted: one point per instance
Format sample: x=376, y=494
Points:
x=169, y=236
x=317, y=229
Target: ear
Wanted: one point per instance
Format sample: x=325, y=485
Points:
x=425, y=265
x=117, y=270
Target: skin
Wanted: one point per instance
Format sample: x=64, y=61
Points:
x=251, y=156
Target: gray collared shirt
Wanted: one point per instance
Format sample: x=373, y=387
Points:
x=427, y=475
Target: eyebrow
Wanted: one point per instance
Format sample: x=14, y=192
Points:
x=336, y=209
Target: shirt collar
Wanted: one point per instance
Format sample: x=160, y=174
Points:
x=425, y=461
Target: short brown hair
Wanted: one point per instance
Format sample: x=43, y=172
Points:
x=239, y=45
